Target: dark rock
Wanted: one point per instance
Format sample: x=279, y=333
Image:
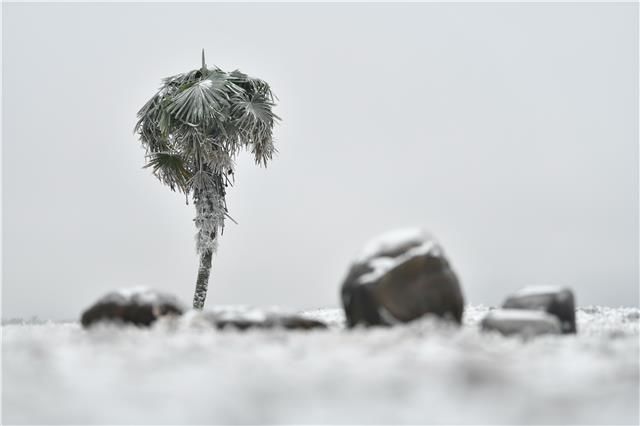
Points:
x=525, y=323
x=137, y=306
x=289, y=322
x=399, y=277
x=557, y=301
x=246, y=318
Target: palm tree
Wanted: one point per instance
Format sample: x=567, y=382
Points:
x=192, y=130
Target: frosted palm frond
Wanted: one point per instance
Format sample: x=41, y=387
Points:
x=263, y=152
x=170, y=169
x=254, y=112
x=251, y=85
x=220, y=162
x=181, y=79
x=192, y=130
x=202, y=181
x=256, y=119
x=198, y=104
x=149, y=111
x=191, y=143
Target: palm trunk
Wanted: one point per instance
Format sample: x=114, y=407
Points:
x=202, y=281
x=209, y=209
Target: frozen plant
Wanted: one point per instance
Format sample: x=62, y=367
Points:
x=192, y=130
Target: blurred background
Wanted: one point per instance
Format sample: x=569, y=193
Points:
x=510, y=131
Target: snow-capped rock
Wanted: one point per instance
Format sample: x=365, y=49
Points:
x=399, y=277
x=139, y=306
x=558, y=301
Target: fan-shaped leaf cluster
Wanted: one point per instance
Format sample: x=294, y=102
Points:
x=198, y=121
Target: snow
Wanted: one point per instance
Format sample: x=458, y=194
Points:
x=394, y=248
x=538, y=290
x=516, y=315
x=394, y=241
x=140, y=295
x=185, y=372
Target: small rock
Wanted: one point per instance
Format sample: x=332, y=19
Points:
x=401, y=276
x=558, y=301
x=245, y=318
x=633, y=315
x=520, y=322
x=289, y=322
x=139, y=306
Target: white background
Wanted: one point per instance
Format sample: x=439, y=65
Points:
x=508, y=130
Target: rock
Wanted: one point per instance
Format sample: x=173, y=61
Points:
x=139, y=306
x=289, y=322
x=526, y=323
x=244, y=318
x=401, y=276
x=558, y=301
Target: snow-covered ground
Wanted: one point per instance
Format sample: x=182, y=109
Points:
x=182, y=372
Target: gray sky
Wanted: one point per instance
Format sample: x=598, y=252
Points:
x=510, y=131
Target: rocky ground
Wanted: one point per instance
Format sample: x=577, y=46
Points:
x=183, y=371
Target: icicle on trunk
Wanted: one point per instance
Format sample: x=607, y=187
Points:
x=202, y=281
